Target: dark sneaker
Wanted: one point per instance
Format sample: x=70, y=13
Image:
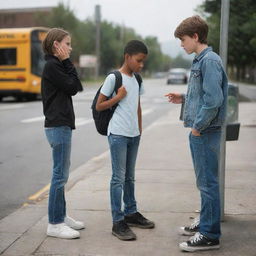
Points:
x=199, y=242
x=191, y=230
x=121, y=230
x=138, y=220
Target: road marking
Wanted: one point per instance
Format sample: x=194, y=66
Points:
x=38, y=194
x=83, y=121
x=79, y=121
x=84, y=96
x=10, y=106
x=32, y=120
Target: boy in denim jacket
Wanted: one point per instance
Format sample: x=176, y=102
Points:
x=204, y=112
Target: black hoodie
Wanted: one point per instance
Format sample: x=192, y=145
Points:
x=59, y=82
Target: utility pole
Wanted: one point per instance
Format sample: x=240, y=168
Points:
x=97, y=41
x=223, y=54
x=122, y=33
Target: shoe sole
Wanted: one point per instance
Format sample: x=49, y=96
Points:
x=197, y=248
x=76, y=228
x=63, y=237
x=183, y=232
x=123, y=238
x=140, y=226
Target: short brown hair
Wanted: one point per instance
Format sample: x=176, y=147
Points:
x=54, y=34
x=193, y=25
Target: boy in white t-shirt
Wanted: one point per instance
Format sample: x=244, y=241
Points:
x=124, y=132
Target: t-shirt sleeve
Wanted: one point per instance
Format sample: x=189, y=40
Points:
x=109, y=85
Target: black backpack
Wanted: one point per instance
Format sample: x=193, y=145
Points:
x=102, y=118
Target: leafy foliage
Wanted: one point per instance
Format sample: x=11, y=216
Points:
x=242, y=36
x=113, y=38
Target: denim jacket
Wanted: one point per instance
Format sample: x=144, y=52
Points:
x=206, y=98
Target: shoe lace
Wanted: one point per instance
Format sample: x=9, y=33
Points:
x=195, y=223
x=197, y=237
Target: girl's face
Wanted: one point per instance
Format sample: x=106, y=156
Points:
x=65, y=44
x=189, y=44
x=136, y=61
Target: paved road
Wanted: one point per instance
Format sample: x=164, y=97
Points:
x=247, y=92
x=25, y=156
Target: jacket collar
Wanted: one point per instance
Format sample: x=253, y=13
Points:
x=202, y=54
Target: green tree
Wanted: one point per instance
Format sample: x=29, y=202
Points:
x=156, y=60
x=242, y=37
x=113, y=39
x=180, y=62
x=111, y=47
x=63, y=17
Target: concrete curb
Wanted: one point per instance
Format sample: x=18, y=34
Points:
x=37, y=209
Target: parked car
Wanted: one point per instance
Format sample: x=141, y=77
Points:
x=177, y=76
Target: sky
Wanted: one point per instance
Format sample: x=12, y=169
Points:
x=147, y=17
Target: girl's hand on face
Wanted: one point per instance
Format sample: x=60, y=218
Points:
x=61, y=52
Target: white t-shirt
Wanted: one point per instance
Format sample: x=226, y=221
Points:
x=125, y=118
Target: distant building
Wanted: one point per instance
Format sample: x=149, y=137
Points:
x=23, y=17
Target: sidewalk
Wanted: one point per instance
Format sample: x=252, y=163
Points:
x=165, y=191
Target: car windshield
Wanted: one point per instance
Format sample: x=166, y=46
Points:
x=177, y=71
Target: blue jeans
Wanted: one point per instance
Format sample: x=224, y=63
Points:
x=59, y=139
x=123, y=157
x=205, y=155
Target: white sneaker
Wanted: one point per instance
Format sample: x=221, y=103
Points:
x=73, y=223
x=62, y=231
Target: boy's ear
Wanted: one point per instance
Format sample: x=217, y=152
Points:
x=126, y=56
x=195, y=36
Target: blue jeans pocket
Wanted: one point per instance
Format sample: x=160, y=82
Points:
x=196, y=139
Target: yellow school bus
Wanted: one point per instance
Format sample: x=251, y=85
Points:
x=21, y=62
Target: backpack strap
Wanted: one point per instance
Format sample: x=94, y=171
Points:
x=119, y=80
x=138, y=78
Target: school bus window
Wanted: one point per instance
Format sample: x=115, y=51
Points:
x=37, y=58
x=41, y=35
x=8, y=56
x=37, y=55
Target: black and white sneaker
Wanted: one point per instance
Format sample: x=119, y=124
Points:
x=199, y=242
x=190, y=230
